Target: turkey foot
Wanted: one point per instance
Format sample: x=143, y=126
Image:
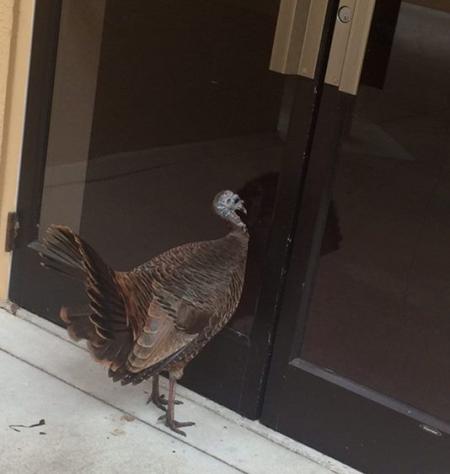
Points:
x=159, y=400
x=169, y=416
x=175, y=425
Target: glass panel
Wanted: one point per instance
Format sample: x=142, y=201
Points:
x=158, y=105
x=380, y=313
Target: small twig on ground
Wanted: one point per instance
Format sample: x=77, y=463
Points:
x=14, y=427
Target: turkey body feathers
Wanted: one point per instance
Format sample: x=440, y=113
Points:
x=163, y=310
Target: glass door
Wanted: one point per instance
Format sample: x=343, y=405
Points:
x=362, y=353
x=139, y=113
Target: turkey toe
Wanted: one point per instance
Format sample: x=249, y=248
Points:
x=175, y=425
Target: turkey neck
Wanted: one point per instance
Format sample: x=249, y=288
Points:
x=238, y=235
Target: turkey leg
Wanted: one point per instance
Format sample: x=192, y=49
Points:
x=168, y=417
x=159, y=400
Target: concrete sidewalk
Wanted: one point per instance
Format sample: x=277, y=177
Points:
x=93, y=426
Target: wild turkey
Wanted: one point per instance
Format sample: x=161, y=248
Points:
x=157, y=317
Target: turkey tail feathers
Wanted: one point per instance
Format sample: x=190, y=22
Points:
x=67, y=253
x=79, y=325
x=104, y=324
x=62, y=253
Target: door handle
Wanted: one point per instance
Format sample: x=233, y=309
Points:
x=299, y=33
x=348, y=47
x=297, y=37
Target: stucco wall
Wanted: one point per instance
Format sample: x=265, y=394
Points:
x=6, y=24
x=16, y=18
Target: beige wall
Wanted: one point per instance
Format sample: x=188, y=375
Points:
x=16, y=17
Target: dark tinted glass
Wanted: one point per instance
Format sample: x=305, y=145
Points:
x=159, y=105
x=380, y=313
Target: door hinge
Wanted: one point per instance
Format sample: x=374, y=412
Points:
x=12, y=229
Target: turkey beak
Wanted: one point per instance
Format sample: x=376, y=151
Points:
x=240, y=207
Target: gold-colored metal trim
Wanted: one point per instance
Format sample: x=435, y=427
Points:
x=349, y=44
x=339, y=46
x=298, y=36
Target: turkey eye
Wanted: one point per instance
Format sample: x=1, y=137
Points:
x=236, y=200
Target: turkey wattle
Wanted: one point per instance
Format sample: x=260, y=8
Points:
x=157, y=317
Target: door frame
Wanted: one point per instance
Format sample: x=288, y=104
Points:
x=242, y=380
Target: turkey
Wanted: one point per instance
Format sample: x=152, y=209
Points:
x=157, y=317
